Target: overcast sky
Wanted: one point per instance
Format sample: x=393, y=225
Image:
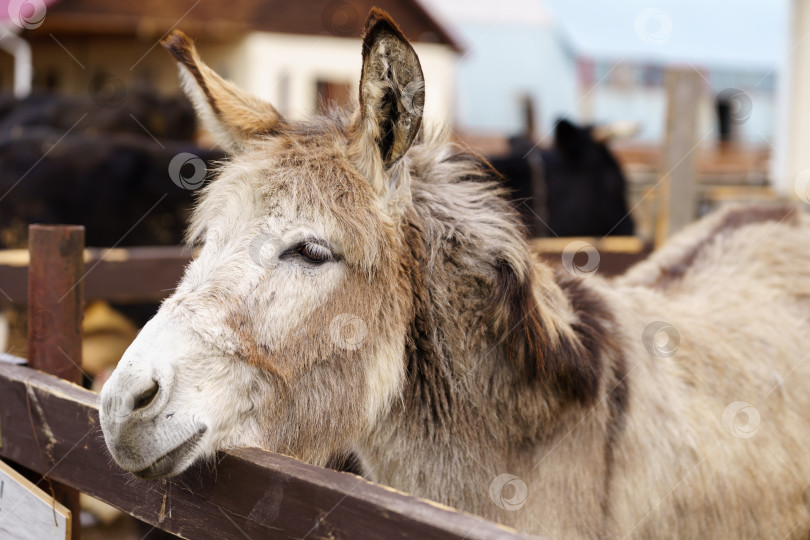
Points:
x=711, y=32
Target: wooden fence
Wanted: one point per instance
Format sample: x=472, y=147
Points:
x=49, y=424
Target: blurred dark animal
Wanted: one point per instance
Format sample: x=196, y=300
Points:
x=102, y=163
x=107, y=182
x=110, y=108
x=574, y=188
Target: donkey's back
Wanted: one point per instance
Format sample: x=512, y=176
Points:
x=722, y=373
x=749, y=242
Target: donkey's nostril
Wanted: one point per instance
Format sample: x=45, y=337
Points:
x=146, y=397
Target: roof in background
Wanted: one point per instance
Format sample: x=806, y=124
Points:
x=526, y=13
x=223, y=19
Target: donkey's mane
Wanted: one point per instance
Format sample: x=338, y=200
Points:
x=472, y=270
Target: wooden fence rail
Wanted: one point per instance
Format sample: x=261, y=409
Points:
x=51, y=426
x=140, y=274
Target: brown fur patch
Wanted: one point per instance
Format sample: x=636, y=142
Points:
x=251, y=349
x=571, y=366
x=429, y=394
x=581, y=362
x=526, y=342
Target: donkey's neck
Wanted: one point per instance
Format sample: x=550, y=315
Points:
x=469, y=411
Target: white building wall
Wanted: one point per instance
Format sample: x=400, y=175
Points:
x=505, y=64
x=284, y=70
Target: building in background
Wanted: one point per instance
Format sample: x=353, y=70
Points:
x=293, y=54
x=604, y=61
x=514, y=52
x=594, y=62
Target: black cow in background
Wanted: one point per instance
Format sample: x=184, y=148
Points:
x=101, y=161
x=574, y=188
x=116, y=185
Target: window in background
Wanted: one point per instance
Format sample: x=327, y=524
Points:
x=331, y=93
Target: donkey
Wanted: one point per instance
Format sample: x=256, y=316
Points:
x=363, y=285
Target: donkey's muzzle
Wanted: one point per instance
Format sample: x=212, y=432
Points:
x=145, y=429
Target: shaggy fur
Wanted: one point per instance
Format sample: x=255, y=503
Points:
x=466, y=357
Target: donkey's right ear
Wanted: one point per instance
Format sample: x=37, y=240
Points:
x=392, y=97
x=230, y=114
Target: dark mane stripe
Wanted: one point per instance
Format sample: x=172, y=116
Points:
x=582, y=362
x=430, y=396
x=673, y=273
x=618, y=400
x=574, y=366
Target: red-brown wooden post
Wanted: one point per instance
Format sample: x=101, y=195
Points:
x=55, y=315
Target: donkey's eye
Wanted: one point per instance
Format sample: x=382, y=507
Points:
x=313, y=253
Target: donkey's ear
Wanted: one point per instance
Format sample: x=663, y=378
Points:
x=231, y=115
x=392, y=94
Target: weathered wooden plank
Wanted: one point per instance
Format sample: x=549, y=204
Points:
x=616, y=253
x=55, y=293
x=139, y=274
x=135, y=274
x=51, y=426
x=28, y=512
x=55, y=310
x=606, y=244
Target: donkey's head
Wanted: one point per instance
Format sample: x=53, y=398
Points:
x=288, y=329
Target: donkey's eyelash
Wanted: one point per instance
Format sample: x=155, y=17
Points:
x=314, y=252
x=311, y=251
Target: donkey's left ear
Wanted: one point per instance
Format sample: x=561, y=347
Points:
x=230, y=114
x=392, y=95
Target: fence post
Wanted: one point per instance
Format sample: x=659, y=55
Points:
x=54, y=316
x=679, y=157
